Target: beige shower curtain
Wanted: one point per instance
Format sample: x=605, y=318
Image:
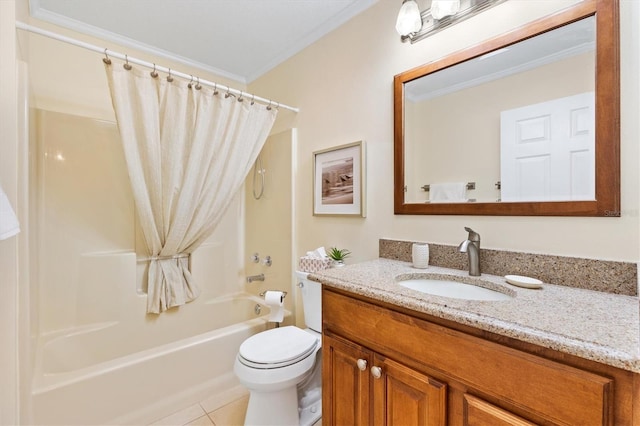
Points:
x=188, y=152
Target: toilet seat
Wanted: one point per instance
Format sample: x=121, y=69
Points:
x=277, y=348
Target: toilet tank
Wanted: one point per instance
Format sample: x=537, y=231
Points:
x=311, y=301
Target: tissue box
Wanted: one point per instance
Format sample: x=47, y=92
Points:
x=313, y=264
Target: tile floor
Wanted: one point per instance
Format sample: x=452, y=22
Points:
x=208, y=413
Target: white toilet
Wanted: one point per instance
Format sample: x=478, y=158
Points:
x=282, y=367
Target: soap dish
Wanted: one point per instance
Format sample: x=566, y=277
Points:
x=521, y=281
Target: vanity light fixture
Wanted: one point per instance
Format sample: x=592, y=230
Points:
x=409, y=20
x=413, y=25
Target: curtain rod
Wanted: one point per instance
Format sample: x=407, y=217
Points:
x=55, y=36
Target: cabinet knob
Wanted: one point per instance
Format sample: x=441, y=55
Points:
x=376, y=372
x=362, y=364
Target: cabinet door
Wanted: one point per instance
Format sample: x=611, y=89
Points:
x=402, y=396
x=345, y=383
x=481, y=413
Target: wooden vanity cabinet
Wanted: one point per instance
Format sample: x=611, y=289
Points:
x=383, y=366
x=365, y=388
x=345, y=383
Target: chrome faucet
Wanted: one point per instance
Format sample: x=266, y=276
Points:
x=252, y=278
x=472, y=246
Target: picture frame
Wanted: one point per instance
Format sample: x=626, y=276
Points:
x=339, y=181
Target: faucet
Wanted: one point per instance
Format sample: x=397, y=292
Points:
x=472, y=246
x=252, y=278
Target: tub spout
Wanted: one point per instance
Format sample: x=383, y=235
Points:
x=252, y=278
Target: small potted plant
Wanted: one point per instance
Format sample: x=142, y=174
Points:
x=338, y=255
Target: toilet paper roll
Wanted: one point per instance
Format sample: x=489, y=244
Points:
x=275, y=302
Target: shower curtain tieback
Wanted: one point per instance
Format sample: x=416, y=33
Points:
x=188, y=151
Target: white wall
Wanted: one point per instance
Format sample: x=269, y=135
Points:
x=14, y=156
x=8, y=248
x=343, y=87
x=269, y=219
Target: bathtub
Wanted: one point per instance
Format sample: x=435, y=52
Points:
x=115, y=373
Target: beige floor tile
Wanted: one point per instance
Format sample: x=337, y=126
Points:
x=182, y=417
x=220, y=400
x=201, y=421
x=231, y=414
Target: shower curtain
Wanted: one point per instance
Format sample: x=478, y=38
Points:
x=188, y=150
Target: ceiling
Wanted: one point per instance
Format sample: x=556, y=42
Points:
x=561, y=43
x=236, y=39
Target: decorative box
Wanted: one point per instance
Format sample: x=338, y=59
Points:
x=313, y=264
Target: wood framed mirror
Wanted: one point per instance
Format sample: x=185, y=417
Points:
x=603, y=197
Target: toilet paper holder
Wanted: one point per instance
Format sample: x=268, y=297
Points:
x=284, y=293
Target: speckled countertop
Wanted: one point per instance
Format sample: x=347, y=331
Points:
x=598, y=326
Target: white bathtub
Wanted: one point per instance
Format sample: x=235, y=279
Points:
x=114, y=373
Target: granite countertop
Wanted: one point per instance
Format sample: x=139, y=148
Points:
x=598, y=326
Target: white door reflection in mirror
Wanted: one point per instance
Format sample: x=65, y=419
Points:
x=547, y=150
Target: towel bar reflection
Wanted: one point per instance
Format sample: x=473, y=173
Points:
x=470, y=185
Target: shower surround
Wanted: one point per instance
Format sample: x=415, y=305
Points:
x=97, y=356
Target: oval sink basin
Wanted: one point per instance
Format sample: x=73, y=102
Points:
x=453, y=289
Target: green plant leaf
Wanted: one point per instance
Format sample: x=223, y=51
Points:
x=338, y=254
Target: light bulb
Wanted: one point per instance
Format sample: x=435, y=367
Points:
x=442, y=8
x=409, y=19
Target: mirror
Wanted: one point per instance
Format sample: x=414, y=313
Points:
x=537, y=140
x=503, y=134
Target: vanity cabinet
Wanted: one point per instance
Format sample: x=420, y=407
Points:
x=367, y=388
x=384, y=365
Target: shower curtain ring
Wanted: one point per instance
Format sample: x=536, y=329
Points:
x=169, y=78
x=269, y=106
x=253, y=99
x=226, y=95
x=106, y=59
x=240, y=99
x=215, y=89
x=126, y=65
x=153, y=73
x=190, y=83
x=198, y=86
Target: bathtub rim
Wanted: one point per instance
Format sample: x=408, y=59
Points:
x=45, y=382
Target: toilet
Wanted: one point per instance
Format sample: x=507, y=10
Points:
x=282, y=367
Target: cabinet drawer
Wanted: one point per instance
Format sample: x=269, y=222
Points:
x=555, y=392
x=480, y=413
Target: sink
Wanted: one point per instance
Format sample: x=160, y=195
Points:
x=453, y=289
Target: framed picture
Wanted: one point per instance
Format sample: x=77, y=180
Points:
x=339, y=181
